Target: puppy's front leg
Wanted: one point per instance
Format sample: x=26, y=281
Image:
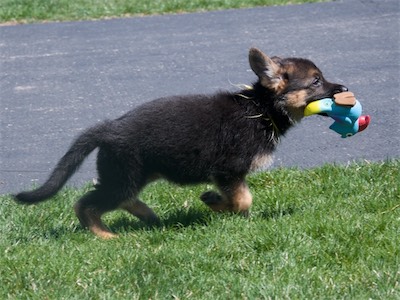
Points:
x=234, y=196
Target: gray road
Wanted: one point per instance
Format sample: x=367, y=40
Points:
x=59, y=78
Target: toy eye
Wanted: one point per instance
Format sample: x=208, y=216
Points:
x=349, y=135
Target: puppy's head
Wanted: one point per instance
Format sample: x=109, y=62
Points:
x=294, y=81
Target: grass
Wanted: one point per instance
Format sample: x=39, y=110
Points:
x=23, y=11
x=326, y=233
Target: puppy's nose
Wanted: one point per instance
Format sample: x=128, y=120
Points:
x=340, y=89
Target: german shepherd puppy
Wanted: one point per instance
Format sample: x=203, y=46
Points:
x=190, y=139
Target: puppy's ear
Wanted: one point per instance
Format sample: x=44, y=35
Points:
x=268, y=70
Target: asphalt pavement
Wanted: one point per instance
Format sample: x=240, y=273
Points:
x=59, y=78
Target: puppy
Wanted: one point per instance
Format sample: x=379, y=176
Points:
x=190, y=139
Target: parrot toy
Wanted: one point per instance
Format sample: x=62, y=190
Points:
x=344, y=109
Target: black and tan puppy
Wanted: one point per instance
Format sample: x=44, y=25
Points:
x=191, y=139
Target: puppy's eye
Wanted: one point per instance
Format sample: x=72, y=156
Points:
x=285, y=76
x=316, y=81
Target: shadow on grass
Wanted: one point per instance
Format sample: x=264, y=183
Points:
x=277, y=213
x=61, y=231
x=182, y=218
x=125, y=224
x=177, y=219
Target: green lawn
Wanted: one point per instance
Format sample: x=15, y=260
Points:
x=326, y=233
x=62, y=10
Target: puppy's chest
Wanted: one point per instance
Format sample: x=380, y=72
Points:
x=261, y=162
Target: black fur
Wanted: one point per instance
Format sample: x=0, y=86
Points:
x=186, y=139
x=189, y=139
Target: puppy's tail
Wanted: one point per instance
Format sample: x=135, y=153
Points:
x=66, y=167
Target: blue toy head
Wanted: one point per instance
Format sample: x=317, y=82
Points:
x=348, y=118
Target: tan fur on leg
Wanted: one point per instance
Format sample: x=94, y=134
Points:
x=90, y=218
x=241, y=198
x=101, y=231
x=235, y=198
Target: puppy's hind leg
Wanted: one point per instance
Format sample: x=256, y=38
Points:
x=141, y=210
x=89, y=210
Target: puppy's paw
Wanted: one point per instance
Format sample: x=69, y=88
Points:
x=211, y=198
x=153, y=221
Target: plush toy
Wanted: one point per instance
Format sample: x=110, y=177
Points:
x=344, y=109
